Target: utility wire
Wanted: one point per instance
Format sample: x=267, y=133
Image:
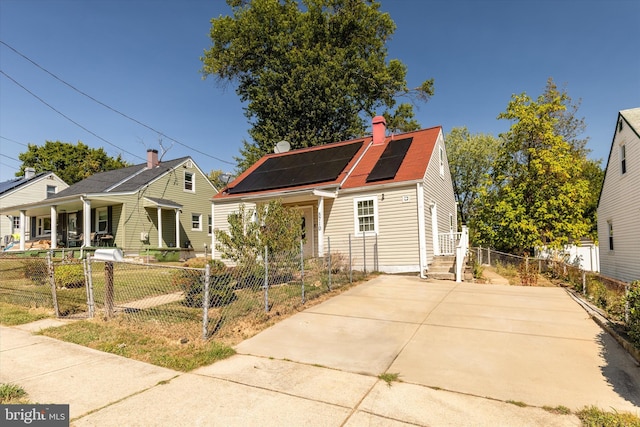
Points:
x=12, y=140
x=113, y=109
x=10, y=158
x=67, y=117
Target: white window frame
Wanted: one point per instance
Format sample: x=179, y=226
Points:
x=196, y=222
x=15, y=223
x=441, y=154
x=192, y=182
x=104, y=220
x=356, y=216
x=623, y=159
x=610, y=230
x=209, y=225
x=51, y=190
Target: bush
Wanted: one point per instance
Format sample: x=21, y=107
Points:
x=69, y=275
x=192, y=284
x=528, y=272
x=633, y=300
x=36, y=270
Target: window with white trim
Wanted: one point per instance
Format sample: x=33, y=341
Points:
x=366, y=215
x=610, y=227
x=189, y=181
x=623, y=159
x=209, y=225
x=43, y=225
x=102, y=220
x=441, y=151
x=16, y=224
x=196, y=221
x=51, y=190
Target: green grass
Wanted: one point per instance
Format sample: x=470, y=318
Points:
x=389, y=377
x=142, y=344
x=595, y=417
x=517, y=403
x=11, y=315
x=12, y=394
x=561, y=410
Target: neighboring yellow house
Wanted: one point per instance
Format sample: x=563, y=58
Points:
x=31, y=187
x=389, y=197
x=147, y=206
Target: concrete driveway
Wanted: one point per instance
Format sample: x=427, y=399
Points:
x=526, y=344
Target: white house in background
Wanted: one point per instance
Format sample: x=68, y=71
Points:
x=586, y=255
x=30, y=188
x=387, y=197
x=619, y=203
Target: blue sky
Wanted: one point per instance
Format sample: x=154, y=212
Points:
x=141, y=58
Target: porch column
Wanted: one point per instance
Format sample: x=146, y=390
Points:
x=177, y=228
x=86, y=222
x=213, y=234
x=159, y=227
x=54, y=227
x=23, y=228
x=320, y=226
x=422, y=239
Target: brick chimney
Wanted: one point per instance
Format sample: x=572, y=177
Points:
x=379, y=125
x=152, y=158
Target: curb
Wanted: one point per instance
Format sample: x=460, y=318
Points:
x=605, y=324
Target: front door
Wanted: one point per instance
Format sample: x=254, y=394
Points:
x=308, y=232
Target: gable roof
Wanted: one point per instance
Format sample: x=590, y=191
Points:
x=16, y=183
x=347, y=165
x=632, y=117
x=122, y=180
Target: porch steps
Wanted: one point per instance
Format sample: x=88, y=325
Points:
x=443, y=267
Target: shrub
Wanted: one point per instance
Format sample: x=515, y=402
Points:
x=69, y=275
x=36, y=270
x=528, y=272
x=633, y=300
x=192, y=284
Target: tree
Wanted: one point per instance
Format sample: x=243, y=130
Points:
x=310, y=71
x=536, y=194
x=72, y=163
x=270, y=225
x=470, y=160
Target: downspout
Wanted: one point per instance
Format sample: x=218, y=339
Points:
x=422, y=239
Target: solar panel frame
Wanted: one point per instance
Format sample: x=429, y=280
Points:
x=390, y=161
x=295, y=169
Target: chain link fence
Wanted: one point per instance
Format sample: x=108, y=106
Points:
x=199, y=298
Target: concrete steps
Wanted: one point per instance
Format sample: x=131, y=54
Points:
x=443, y=267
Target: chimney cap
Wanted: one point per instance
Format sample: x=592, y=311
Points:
x=379, y=119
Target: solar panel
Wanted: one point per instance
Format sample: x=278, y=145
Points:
x=290, y=170
x=388, y=164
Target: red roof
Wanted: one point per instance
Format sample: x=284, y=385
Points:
x=412, y=168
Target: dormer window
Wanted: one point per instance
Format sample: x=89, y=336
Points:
x=189, y=181
x=51, y=190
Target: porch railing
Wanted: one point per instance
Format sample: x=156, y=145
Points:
x=447, y=242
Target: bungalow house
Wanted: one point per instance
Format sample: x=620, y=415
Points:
x=394, y=191
x=619, y=203
x=29, y=188
x=150, y=205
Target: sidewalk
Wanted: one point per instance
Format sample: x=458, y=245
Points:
x=461, y=351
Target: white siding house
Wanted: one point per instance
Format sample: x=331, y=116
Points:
x=382, y=198
x=30, y=188
x=619, y=203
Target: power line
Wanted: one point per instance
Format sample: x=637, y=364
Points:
x=111, y=108
x=12, y=140
x=10, y=158
x=67, y=117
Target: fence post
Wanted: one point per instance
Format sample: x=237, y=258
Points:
x=489, y=256
x=376, y=267
x=302, y=268
x=584, y=283
x=350, y=266
x=108, y=288
x=88, y=279
x=52, y=282
x=329, y=254
x=266, y=280
x=626, y=304
x=364, y=252
x=205, y=303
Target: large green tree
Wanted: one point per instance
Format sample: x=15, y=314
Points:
x=471, y=158
x=310, y=71
x=71, y=162
x=537, y=192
